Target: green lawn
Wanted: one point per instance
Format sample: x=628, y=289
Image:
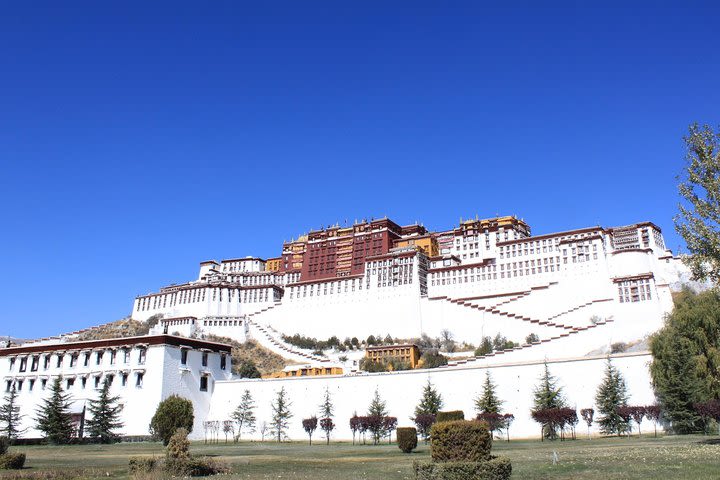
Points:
x=687, y=457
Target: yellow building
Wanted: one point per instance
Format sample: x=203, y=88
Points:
x=273, y=264
x=427, y=243
x=407, y=353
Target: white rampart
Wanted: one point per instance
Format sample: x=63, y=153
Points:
x=458, y=386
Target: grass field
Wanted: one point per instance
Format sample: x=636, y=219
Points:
x=689, y=457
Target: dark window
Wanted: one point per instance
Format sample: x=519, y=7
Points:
x=12, y=363
x=124, y=379
x=8, y=385
x=83, y=382
x=59, y=360
x=97, y=381
x=113, y=354
x=35, y=363
x=73, y=359
x=139, y=379
x=203, y=383
x=31, y=385
x=23, y=364
x=183, y=356
x=98, y=358
x=204, y=359
x=19, y=385
x=223, y=362
x=87, y=359
x=43, y=383
x=141, y=356
x=110, y=379
x=70, y=383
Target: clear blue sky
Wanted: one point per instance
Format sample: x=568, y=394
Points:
x=138, y=140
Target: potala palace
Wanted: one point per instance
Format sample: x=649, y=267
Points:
x=577, y=291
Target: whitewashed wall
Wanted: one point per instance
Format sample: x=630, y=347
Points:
x=402, y=391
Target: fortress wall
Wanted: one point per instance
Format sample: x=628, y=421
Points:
x=402, y=391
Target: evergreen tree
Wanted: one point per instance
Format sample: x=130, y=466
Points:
x=280, y=415
x=611, y=394
x=54, y=418
x=376, y=417
x=547, y=394
x=244, y=414
x=377, y=406
x=105, y=414
x=686, y=358
x=431, y=402
x=10, y=417
x=327, y=410
x=488, y=401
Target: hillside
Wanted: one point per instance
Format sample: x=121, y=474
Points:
x=119, y=329
x=265, y=360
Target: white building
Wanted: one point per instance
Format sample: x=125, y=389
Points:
x=142, y=370
x=578, y=291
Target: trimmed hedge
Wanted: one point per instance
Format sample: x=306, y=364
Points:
x=12, y=461
x=407, y=439
x=450, y=416
x=142, y=464
x=460, y=441
x=497, y=468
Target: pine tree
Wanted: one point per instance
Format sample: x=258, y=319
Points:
x=54, y=418
x=488, y=401
x=547, y=394
x=327, y=410
x=611, y=394
x=105, y=413
x=431, y=402
x=281, y=415
x=10, y=417
x=244, y=414
x=376, y=417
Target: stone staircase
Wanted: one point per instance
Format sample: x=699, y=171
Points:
x=272, y=340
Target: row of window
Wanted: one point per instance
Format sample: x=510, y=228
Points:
x=630, y=291
x=35, y=360
x=70, y=383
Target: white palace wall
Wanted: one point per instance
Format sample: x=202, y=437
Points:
x=402, y=391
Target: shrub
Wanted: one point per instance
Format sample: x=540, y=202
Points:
x=195, y=466
x=12, y=461
x=179, y=445
x=497, y=468
x=407, y=439
x=450, y=416
x=4, y=444
x=141, y=464
x=174, y=412
x=460, y=441
x=432, y=360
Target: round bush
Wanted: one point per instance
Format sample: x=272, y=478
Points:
x=407, y=439
x=141, y=464
x=450, y=416
x=460, y=441
x=174, y=412
x=12, y=461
